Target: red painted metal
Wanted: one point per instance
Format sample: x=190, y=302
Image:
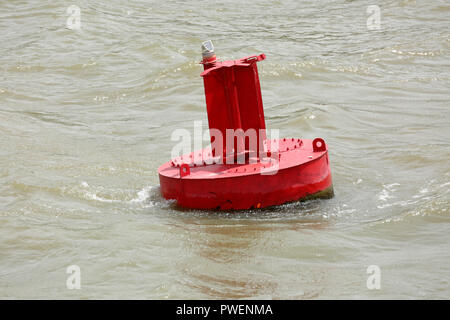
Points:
x=233, y=99
x=205, y=179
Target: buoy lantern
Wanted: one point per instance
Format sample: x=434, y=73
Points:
x=243, y=168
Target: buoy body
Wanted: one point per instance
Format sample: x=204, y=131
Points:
x=243, y=169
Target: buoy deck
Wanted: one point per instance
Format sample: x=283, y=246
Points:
x=195, y=180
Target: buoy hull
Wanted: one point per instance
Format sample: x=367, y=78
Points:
x=300, y=173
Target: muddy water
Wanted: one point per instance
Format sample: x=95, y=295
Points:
x=86, y=117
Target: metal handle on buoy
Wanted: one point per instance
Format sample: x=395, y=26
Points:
x=208, y=53
x=319, y=145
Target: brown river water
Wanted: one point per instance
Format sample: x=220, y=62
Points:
x=86, y=116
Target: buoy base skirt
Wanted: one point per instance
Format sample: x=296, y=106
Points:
x=301, y=172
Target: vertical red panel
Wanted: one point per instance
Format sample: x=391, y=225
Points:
x=233, y=97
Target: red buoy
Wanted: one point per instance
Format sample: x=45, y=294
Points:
x=243, y=169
